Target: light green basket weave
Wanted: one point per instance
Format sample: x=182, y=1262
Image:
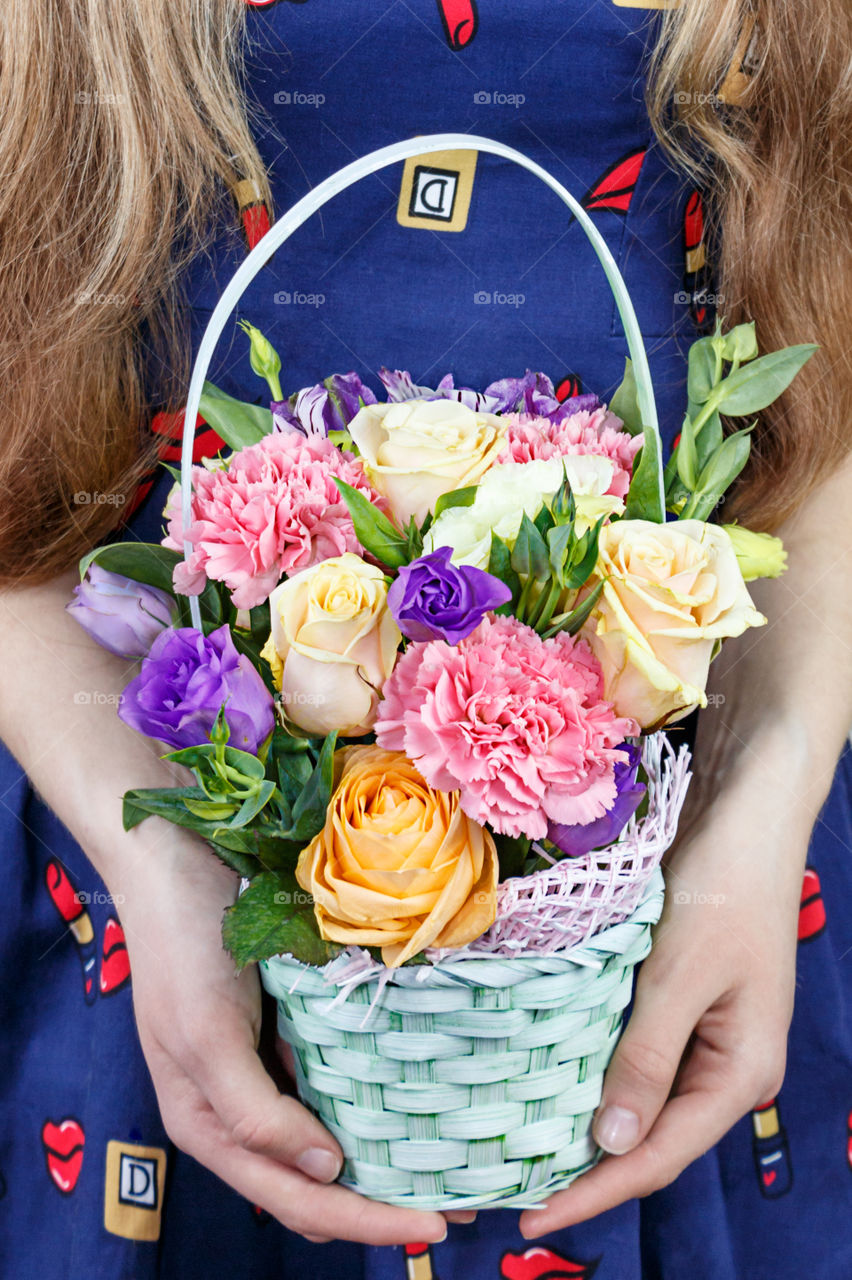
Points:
x=468, y=1083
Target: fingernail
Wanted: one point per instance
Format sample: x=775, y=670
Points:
x=319, y=1164
x=616, y=1130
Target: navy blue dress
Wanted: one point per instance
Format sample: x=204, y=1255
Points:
x=462, y=264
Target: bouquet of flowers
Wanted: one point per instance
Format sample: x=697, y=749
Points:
x=440, y=637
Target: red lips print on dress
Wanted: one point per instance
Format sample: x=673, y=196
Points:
x=115, y=965
x=544, y=1264
x=63, y=1150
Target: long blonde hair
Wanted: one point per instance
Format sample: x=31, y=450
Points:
x=124, y=123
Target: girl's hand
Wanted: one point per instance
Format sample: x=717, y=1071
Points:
x=706, y=1041
x=199, y=1027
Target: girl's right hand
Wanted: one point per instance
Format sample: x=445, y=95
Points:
x=199, y=1027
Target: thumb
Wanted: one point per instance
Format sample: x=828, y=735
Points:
x=643, y=1067
x=262, y=1120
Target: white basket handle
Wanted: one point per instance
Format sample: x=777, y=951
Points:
x=339, y=181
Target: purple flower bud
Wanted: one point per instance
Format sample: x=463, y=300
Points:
x=432, y=599
x=122, y=615
x=579, y=838
x=185, y=681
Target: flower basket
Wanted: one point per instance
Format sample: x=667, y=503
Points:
x=472, y=1081
x=469, y=1082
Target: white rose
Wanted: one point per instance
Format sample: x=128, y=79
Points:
x=513, y=489
x=415, y=450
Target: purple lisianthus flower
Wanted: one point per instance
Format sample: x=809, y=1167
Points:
x=400, y=386
x=534, y=393
x=329, y=406
x=577, y=839
x=186, y=680
x=432, y=599
x=122, y=615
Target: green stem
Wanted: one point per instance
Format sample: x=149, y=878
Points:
x=547, y=603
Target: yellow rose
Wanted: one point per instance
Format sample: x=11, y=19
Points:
x=398, y=865
x=415, y=450
x=333, y=644
x=672, y=593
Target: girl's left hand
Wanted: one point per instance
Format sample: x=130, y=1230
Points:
x=706, y=1041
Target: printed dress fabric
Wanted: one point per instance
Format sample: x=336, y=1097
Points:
x=463, y=264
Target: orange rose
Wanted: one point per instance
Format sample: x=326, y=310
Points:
x=398, y=865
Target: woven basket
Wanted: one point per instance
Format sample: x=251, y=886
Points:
x=468, y=1083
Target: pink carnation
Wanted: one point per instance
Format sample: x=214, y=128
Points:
x=275, y=510
x=529, y=437
x=515, y=723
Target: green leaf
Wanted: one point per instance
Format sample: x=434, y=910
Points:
x=701, y=373
x=643, y=497
x=719, y=473
x=560, y=543
x=153, y=565
x=275, y=916
x=686, y=455
x=500, y=566
x=587, y=549
x=761, y=381
x=544, y=521
x=573, y=621
x=625, y=402
x=237, y=422
x=373, y=530
x=529, y=556
x=309, y=811
x=456, y=498
x=511, y=854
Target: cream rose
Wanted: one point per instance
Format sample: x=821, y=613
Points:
x=672, y=593
x=333, y=644
x=511, y=490
x=398, y=865
x=415, y=450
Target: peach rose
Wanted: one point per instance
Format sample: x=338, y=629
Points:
x=398, y=865
x=415, y=450
x=333, y=644
x=672, y=593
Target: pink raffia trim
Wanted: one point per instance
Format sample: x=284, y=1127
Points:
x=569, y=902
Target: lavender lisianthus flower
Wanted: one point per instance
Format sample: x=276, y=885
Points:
x=578, y=839
x=432, y=599
x=400, y=386
x=185, y=681
x=328, y=406
x=534, y=393
x=121, y=615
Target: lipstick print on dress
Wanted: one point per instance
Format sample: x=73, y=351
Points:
x=811, y=908
x=771, y=1151
x=418, y=1262
x=63, y=1144
x=460, y=21
x=697, y=277
x=544, y=1264
x=71, y=906
x=115, y=964
x=615, y=188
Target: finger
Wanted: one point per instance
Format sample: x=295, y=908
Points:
x=645, y=1062
x=460, y=1215
x=301, y=1204
x=258, y=1117
x=688, y=1126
